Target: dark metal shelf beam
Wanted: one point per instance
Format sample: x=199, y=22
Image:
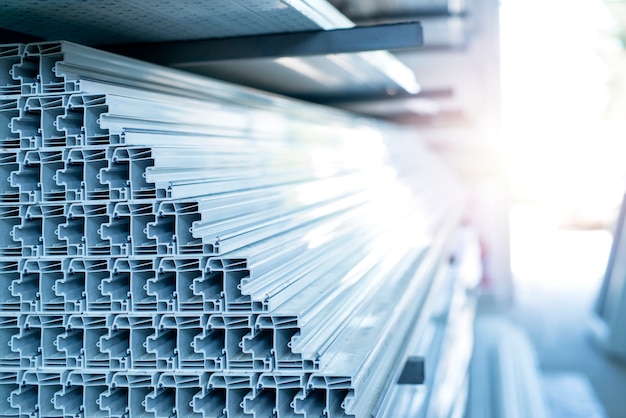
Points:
x=403, y=16
x=390, y=37
x=10, y=36
x=439, y=93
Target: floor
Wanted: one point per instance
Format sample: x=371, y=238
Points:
x=557, y=276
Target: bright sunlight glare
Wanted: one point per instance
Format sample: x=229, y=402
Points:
x=564, y=155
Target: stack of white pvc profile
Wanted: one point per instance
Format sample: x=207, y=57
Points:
x=175, y=246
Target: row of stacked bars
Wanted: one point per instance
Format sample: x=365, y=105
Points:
x=172, y=245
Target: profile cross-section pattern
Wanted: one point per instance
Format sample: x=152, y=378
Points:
x=174, y=246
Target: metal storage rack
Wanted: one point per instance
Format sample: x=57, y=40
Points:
x=119, y=23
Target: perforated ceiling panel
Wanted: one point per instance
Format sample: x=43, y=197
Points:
x=121, y=21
